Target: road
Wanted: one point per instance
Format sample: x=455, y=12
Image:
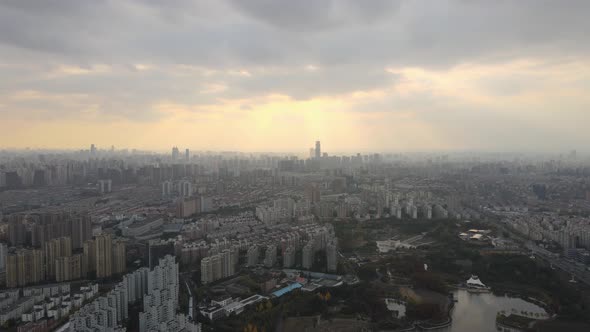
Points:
x=581, y=273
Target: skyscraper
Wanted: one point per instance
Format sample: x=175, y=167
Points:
x=187, y=154
x=318, y=150
x=175, y=153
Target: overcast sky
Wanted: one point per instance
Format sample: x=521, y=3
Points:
x=262, y=75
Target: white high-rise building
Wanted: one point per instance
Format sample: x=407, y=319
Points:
x=105, y=186
x=161, y=301
x=159, y=290
x=218, y=266
x=166, y=188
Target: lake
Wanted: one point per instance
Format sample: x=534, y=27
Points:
x=477, y=312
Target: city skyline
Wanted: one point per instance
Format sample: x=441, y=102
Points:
x=250, y=76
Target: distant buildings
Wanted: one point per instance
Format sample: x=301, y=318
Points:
x=36, y=228
x=105, y=186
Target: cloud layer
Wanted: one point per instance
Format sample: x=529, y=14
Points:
x=276, y=75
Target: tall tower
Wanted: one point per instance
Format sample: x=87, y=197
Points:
x=318, y=150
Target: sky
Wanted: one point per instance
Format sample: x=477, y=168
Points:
x=262, y=75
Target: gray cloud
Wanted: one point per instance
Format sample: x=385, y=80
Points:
x=351, y=43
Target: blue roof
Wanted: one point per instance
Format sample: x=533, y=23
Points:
x=287, y=289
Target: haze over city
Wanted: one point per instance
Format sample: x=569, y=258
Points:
x=270, y=75
x=294, y=165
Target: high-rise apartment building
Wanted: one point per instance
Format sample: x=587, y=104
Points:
x=166, y=188
x=270, y=256
x=3, y=254
x=81, y=230
x=312, y=193
x=186, y=188
x=105, y=186
x=54, y=249
x=218, y=266
x=119, y=259
x=289, y=257
x=186, y=207
x=331, y=257
x=104, y=255
x=24, y=267
x=89, y=257
x=68, y=268
x=37, y=228
x=253, y=255
x=307, y=255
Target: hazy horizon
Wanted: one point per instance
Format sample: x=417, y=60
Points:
x=262, y=75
